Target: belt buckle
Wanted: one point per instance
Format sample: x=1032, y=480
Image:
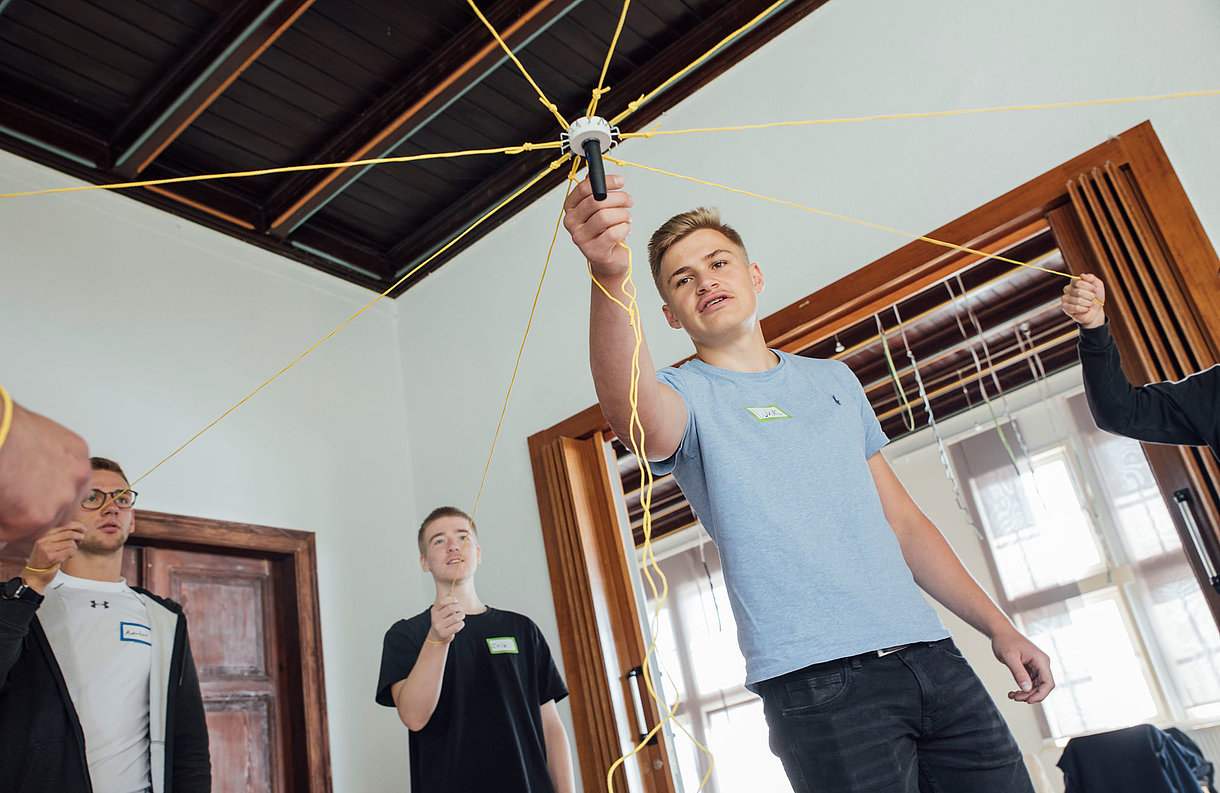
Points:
x=890, y=650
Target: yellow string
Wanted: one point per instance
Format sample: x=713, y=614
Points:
x=504, y=46
x=513, y=379
x=633, y=106
x=552, y=166
x=601, y=80
x=518, y=149
x=6, y=419
x=838, y=216
x=932, y=114
x=636, y=442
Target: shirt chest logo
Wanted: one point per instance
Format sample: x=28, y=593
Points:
x=135, y=632
x=502, y=644
x=768, y=413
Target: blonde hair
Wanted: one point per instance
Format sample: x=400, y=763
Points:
x=679, y=227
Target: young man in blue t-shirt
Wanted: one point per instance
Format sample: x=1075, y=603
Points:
x=824, y=550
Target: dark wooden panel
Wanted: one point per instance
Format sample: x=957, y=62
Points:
x=240, y=728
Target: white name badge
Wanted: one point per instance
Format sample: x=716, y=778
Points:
x=134, y=632
x=503, y=644
x=768, y=413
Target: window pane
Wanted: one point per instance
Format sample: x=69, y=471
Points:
x=1100, y=680
x=1187, y=636
x=744, y=762
x=1143, y=521
x=1036, y=525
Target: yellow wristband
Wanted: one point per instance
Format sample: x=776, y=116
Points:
x=6, y=421
x=40, y=569
x=429, y=641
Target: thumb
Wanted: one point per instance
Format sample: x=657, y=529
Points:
x=1019, y=673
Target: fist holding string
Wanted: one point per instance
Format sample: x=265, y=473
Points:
x=597, y=227
x=1082, y=300
x=447, y=619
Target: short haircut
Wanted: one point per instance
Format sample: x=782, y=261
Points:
x=679, y=227
x=102, y=464
x=437, y=514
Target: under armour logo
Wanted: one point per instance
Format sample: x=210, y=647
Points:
x=836, y=399
x=104, y=604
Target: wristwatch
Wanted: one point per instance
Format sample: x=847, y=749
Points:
x=16, y=589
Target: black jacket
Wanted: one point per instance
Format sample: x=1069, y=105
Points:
x=42, y=747
x=1185, y=412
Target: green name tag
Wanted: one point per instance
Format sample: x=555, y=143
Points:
x=767, y=413
x=502, y=644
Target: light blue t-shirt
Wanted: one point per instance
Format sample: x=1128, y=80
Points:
x=775, y=464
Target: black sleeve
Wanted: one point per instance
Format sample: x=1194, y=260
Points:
x=550, y=682
x=192, y=760
x=1182, y=412
x=399, y=652
x=15, y=619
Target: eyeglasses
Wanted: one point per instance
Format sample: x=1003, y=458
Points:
x=123, y=499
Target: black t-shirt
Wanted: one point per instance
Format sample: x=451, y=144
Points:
x=486, y=731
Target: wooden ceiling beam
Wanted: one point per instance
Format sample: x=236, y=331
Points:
x=52, y=134
x=444, y=78
x=219, y=58
x=731, y=16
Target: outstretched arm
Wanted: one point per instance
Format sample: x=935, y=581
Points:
x=940, y=573
x=597, y=228
x=1182, y=412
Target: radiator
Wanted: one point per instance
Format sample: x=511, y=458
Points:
x=1208, y=739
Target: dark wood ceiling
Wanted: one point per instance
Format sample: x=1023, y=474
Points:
x=117, y=90
x=992, y=329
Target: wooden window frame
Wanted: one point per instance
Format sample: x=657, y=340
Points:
x=1186, y=260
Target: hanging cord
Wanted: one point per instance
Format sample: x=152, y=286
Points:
x=909, y=419
x=940, y=441
x=636, y=443
x=933, y=114
x=601, y=90
x=547, y=103
x=837, y=216
x=643, y=98
x=512, y=380
x=325, y=166
x=1070, y=440
x=552, y=166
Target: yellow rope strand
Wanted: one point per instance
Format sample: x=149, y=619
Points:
x=519, y=149
x=636, y=442
x=633, y=106
x=838, y=216
x=504, y=46
x=601, y=90
x=933, y=114
x=552, y=166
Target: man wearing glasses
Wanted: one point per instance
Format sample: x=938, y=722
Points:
x=98, y=689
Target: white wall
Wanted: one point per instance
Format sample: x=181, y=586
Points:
x=137, y=329
x=459, y=329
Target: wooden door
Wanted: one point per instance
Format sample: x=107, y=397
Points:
x=230, y=606
x=603, y=644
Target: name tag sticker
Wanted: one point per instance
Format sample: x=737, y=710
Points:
x=768, y=413
x=134, y=632
x=503, y=644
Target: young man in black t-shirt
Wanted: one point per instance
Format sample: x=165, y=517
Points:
x=476, y=686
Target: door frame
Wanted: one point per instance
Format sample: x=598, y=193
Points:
x=294, y=567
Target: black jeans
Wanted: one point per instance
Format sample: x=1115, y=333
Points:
x=917, y=719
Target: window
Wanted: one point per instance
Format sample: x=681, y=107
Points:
x=1091, y=569
x=702, y=665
